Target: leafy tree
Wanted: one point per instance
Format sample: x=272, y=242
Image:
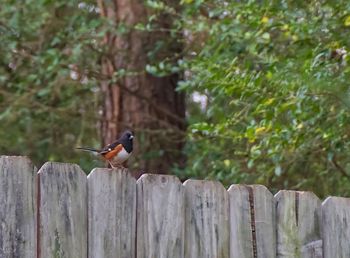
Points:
x=47, y=104
x=266, y=85
x=274, y=80
x=74, y=73
x=134, y=97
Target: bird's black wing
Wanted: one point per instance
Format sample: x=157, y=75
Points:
x=109, y=147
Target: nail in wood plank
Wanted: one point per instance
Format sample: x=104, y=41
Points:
x=206, y=219
x=112, y=213
x=160, y=217
x=17, y=207
x=62, y=211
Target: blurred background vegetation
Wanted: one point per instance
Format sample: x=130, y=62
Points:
x=266, y=86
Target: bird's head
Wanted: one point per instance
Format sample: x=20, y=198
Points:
x=127, y=135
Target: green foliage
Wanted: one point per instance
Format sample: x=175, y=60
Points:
x=274, y=78
x=47, y=104
x=267, y=84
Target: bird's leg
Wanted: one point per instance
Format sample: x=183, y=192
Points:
x=125, y=164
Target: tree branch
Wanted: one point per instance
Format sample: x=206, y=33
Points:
x=339, y=167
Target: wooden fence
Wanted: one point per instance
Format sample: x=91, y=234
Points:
x=60, y=212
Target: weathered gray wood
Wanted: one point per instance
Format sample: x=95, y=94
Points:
x=17, y=207
x=252, y=222
x=336, y=227
x=265, y=221
x=62, y=211
x=206, y=219
x=160, y=217
x=312, y=250
x=298, y=218
x=309, y=225
x=112, y=213
x=240, y=222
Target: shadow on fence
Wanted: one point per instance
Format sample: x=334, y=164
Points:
x=59, y=212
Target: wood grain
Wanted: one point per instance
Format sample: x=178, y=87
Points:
x=298, y=222
x=160, y=217
x=312, y=250
x=206, y=220
x=17, y=207
x=112, y=213
x=62, y=211
x=252, y=222
x=336, y=227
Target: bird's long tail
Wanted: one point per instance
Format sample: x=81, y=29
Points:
x=89, y=150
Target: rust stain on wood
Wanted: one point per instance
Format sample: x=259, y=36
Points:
x=252, y=220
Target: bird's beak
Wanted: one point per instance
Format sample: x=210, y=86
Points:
x=131, y=137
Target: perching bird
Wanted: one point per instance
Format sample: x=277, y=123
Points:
x=117, y=152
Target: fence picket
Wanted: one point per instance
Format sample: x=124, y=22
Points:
x=112, y=213
x=248, y=203
x=62, y=211
x=59, y=212
x=298, y=223
x=336, y=227
x=312, y=250
x=206, y=219
x=17, y=207
x=160, y=217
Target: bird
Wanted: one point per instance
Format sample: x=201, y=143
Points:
x=117, y=152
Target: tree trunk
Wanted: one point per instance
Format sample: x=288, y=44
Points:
x=147, y=105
